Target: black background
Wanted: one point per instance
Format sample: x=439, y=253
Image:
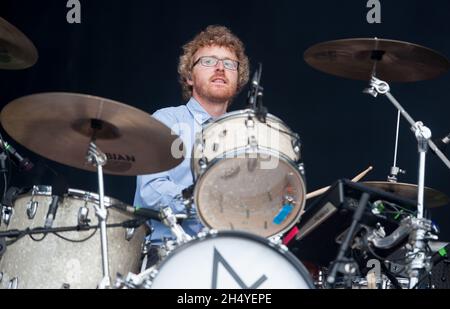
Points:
x=128, y=51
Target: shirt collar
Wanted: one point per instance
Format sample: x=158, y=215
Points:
x=198, y=112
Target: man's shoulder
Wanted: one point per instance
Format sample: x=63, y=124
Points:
x=171, y=114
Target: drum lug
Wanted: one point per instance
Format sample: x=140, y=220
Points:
x=83, y=214
x=253, y=142
x=32, y=209
x=301, y=168
x=203, y=163
x=129, y=233
x=215, y=147
x=250, y=123
x=7, y=213
x=13, y=284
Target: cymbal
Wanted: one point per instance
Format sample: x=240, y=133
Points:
x=396, y=61
x=432, y=198
x=16, y=50
x=59, y=127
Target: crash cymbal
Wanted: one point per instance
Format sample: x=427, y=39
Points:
x=396, y=61
x=59, y=126
x=16, y=50
x=432, y=198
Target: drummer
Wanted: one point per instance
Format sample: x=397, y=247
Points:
x=212, y=70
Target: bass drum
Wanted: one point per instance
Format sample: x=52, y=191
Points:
x=231, y=260
x=67, y=259
x=247, y=175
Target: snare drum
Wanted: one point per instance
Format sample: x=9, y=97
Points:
x=75, y=261
x=231, y=260
x=248, y=175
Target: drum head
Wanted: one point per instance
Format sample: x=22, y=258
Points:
x=231, y=260
x=243, y=194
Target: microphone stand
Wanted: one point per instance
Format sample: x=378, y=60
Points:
x=423, y=135
x=348, y=266
x=255, y=96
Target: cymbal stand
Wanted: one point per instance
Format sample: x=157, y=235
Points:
x=395, y=170
x=420, y=236
x=98, y=159
x=377, y=56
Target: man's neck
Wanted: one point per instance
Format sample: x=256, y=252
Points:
x=214, y=109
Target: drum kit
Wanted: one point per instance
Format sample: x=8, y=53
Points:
x=249, y=189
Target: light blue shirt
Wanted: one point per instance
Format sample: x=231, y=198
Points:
x=163, y=189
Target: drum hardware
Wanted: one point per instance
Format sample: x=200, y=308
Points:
x=170, y=220
x=423, y=136
x=32, y=207
x=83, y=214
x=255, y=96
x=6, y=214
x=379, y=61
x=344, y=265
x=13, y=284
x=98, y=159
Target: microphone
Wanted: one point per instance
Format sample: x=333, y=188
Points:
x=253, y=90
x=23, y=163
x=58, y=191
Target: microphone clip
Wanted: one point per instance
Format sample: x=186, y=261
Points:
x=256, y=94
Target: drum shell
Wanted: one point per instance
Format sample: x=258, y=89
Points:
x=55, y=263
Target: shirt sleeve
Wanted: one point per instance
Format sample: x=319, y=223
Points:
x=157, y=190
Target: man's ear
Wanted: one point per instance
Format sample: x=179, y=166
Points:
x=189, y=79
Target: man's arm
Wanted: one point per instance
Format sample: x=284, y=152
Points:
x=156, y=190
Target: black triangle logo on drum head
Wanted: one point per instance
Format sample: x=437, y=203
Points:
x=218, y=258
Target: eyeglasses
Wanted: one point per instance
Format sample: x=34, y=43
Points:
x=211, y=61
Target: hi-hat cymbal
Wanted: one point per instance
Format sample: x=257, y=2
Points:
x=396, y=61
x=432, y=198
x=16, y=50
x=59, y=126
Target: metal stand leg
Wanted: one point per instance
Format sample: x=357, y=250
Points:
x=98, y=159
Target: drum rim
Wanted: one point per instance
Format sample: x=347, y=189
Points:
x=89, y=196
x=296, y=263
x=243, y=112
x=233, y=153
x=198, y=179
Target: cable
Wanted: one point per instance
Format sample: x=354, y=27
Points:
x=37, y=240
x=282, y=131
x=76, y=240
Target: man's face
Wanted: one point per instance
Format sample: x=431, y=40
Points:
x=215, y=84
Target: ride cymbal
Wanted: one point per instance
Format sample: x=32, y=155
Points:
x=390, y=60
x=60, y=127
